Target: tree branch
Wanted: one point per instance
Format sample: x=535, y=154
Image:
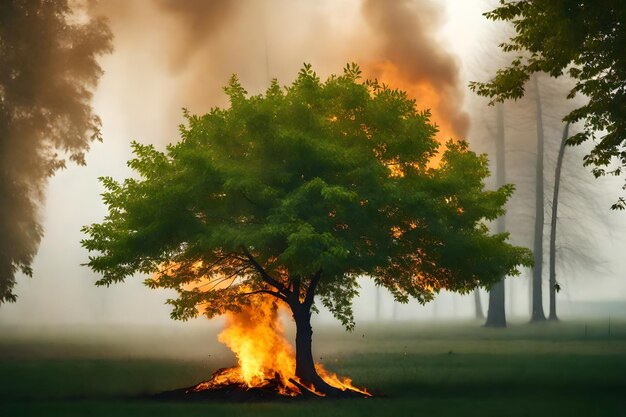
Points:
x=266, y=277
x=254, y=203
x=310, y=292
x=296, y=288
x=274, y=293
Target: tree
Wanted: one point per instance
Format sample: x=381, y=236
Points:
x=478, y=306
x=554, y=286
x=294, y=195
x=496, y=313
x=586, y=41
x=48, y=69
x=537, y=314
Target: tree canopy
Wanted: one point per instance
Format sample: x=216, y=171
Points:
x=48, y=69
x=296, y=193
x=585, y=40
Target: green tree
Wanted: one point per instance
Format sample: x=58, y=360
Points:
x=48, y=69
x=584, y=40
x=296, y=194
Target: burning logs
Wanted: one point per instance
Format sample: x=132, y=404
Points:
x=225, y=386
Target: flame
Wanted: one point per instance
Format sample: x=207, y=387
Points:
x=343, y=383
x=256, y=336
x=265, y=359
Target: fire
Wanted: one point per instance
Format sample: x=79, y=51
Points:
x=256, y=336
x=265, y=359
x=343, y=383
x=254, y=333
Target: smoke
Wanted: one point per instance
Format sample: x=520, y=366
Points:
x=405, y=31
x=170, y=54
x=199, y=44
x=48, y=70
x=197, y=21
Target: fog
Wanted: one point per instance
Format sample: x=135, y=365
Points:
x=169, y=55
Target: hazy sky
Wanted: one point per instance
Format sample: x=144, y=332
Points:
x=160, y=65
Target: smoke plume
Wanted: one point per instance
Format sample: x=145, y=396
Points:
x=170, y=54
x=405, y=31
x=198, y=44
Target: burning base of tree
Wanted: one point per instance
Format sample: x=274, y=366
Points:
x=266, y=364
x=224, y=386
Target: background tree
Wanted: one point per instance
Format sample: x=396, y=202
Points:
x=554, y=286
x=479, y=314
x=536, y=313
x=586, y=42
x=496, y=313
x=48, y=69
x=296, y=194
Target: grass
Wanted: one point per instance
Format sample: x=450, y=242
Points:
x=444, y=370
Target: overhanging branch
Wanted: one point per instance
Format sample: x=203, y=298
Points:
x=264, y=275
x=274, y=293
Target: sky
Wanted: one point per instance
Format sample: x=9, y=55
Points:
x=163, y=62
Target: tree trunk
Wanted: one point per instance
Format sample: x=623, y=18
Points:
x=537, y=314
x=478, y=306
x=555, y=206
x=301, y=311
x=305, y=366
x=496, y=314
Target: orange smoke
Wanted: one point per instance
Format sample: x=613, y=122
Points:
x=426, y=97
x=423, y=92
x=409, y=57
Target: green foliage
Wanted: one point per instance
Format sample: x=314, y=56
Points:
x=585, y=40
x=298, y=192
x=48, y=69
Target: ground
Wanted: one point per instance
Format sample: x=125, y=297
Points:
x=573, y=368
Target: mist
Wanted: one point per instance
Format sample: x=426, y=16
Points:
x=170, y=55
x=46, y=84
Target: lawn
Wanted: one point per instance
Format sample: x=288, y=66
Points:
x=451, y=369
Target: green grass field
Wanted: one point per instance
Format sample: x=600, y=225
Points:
x=454, y=369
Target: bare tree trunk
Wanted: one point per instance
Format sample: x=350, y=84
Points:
x=301, y=311
x=305, y=366
x=555, y=206
x=537, y=314
x=496, y=314
x=478, y=305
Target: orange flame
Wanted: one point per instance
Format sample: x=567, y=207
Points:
x=264, y=356
x=257, y=338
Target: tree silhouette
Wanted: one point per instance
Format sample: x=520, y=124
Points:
x=48, y=69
